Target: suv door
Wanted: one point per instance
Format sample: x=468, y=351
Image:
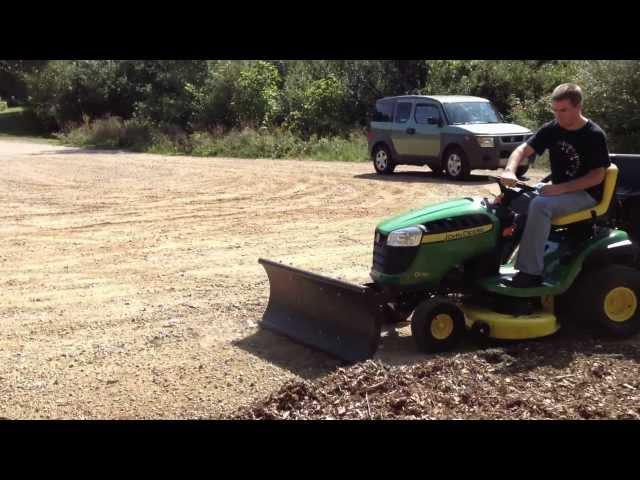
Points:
x=403, y=128
x=425, y=143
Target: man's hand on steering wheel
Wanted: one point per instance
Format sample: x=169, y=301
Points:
x=510, y=188
x=508, y=178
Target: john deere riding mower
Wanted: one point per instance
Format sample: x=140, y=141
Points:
x=444, y=267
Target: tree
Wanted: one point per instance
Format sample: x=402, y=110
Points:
x=13, y=86
x=256, y=101
x=612, y=99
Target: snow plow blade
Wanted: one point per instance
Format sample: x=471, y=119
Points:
x=326, y=314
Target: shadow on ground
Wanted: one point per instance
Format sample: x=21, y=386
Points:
x=288, y=355
x=397, y=348
x=83, y=151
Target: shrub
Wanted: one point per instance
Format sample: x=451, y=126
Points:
x=323, y=102
x=256, y=101
x=612, y=99
x=110, y=132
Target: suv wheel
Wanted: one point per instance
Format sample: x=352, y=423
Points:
x=456, y=164
x=382, y=161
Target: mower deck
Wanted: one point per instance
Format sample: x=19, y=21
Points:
x=509, y=327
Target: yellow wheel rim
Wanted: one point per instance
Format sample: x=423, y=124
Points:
x=441, y=326
x=620, y=304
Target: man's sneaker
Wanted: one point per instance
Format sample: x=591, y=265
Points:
x=523, y=280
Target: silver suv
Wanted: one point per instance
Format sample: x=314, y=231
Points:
x=450, y=134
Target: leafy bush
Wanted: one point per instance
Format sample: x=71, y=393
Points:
x=110, y=132
x=321, y=109
x=143, y=135
x=325, y=98
x=351, y=149
x=509, y=84
x=213, y=101
x=612, y=99
x=248, y=143
x=66, y=91
x=531, y=113
x=279, y=143
x=256, y=101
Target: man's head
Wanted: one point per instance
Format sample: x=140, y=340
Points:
x=566, y=103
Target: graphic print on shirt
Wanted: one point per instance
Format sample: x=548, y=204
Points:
x=572, y=156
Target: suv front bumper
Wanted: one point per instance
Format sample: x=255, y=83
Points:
x=495, y=157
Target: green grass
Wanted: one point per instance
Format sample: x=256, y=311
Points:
x=278, y=144
x=140, y=136
x=19, y=124
x=28, y=139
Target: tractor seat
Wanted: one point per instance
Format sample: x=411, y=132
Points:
x=610, y=180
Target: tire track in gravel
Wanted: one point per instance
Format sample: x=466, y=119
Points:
x=130, y=282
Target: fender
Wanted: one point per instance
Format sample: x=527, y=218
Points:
x=624, y=252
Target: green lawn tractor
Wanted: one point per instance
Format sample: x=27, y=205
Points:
x=443, y=267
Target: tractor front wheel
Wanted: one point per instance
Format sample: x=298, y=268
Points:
x=437, y=325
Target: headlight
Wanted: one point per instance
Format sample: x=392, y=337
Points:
x=486, y=141
x=405, y=237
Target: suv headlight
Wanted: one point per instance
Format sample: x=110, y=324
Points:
x=405, y=237
x=486, y=141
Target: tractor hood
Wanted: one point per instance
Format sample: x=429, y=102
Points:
x=430, y=213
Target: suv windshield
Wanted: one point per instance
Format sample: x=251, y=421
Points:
x=471, y=112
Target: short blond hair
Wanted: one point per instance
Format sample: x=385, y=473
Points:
x=568, y=91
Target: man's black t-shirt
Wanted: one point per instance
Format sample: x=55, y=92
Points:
x=573, y=153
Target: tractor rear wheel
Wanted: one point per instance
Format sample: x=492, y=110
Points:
x=608, y=299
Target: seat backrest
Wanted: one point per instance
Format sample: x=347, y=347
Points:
x=629, y=176
x=609, y=188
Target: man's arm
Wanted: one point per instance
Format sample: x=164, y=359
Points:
x=509, y=175
x=591, y=179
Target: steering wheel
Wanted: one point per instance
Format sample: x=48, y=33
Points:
x=521, y=185
x=508, y=192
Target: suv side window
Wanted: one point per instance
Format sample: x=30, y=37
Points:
x=403, y=112
x=384, y=112
x=424, y=111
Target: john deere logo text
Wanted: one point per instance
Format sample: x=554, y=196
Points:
x=457, y=234
x=470, y=232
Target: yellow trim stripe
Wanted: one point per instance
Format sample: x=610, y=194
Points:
x=456, y=234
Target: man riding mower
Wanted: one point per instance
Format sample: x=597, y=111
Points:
x=451, y=267
x=445, y=267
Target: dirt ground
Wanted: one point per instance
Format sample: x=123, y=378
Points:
x=131, y=286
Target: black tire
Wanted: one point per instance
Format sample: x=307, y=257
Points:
x=521, y=171
x=456, y=163
x=608, y=299
x=437, y=325
x=382, y=161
